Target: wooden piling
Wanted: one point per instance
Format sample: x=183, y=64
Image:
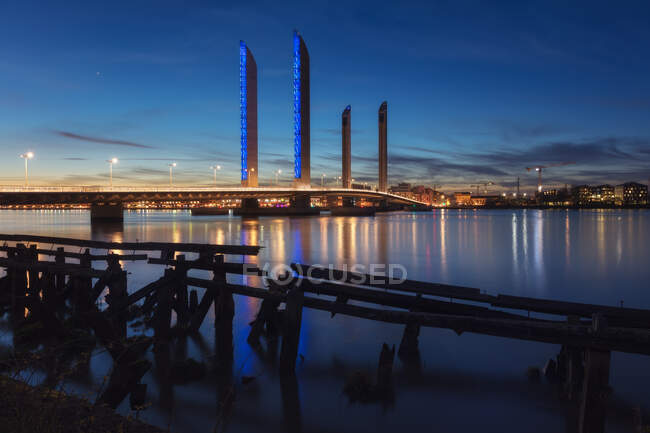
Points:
x=291, y=334
x=595, y=392
x=385, y=368
x=408, y=348
x=224, y=312
x=180, y=292
x=163, y=313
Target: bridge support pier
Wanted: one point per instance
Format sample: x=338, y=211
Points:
x=250, y=203
x=301, y=201
x=108, y=212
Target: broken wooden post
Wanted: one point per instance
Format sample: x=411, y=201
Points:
x=18, y=283
x=385, y=369
x=408, y=348
x=224, y=311
x=117, y=294
x=595, y=391
x=291, y=334
x=128, y=369
x=59, y=259
x=31, y=256
x=82, y=286
x=194, y=301
x=180, y=292
x=266, y=316
x=163, y=313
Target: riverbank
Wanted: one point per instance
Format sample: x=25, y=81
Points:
x=27, y=409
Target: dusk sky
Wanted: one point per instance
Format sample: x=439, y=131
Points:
x=475, y=92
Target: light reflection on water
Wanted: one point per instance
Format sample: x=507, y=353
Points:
x=589, y=256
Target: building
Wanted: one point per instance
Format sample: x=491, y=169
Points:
x=403, y=189
x=301, y=113
x=554, y=197
x=581, y=195
x=463, y=198
x=346, y=170
x=631, y=194
x=383, y=147
x=422, y=193
x=248, y=115
x=485, y=200
x=602, y=194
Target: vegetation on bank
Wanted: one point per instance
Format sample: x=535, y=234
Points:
x=28, y=409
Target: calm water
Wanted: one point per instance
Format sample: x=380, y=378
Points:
x=465, y=383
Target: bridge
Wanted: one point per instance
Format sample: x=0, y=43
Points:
x=107, y=202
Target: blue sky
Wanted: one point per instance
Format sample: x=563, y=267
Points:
x=476, y=91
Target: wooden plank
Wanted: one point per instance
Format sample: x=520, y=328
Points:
x=378, y=281
x=617, y=316
x=47, y=266
x=401, y=300
x=136, y=246
x=614, y=339
x=200, y=264
x=92, y=257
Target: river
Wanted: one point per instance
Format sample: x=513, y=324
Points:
x=465, y=383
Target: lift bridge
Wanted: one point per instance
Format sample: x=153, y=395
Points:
x=108, y=202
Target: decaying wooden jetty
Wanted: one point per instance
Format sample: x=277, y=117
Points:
x=46, y=281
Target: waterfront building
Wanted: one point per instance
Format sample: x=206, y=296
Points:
x=463, y=198
x=602, y=194
x=581, y=195
x=631, y=194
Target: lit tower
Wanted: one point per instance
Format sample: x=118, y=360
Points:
x=248, y=115
x=346, y=174
x=383, y=152
x=300, y=111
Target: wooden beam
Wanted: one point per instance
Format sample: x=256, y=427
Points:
x=554, y=332
x=136, y=246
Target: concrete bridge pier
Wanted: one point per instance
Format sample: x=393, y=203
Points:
x=301, y=201
x=106, y=212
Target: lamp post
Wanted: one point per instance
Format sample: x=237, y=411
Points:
x=277, y=174
x=322, y=180
x=215, y=168
x=27, y=156
x=338, y=181
x=171, y=174
x=110, y=169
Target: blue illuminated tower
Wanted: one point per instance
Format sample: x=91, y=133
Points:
x=383, y=147
x=301, y=166
x=346, y=173
x=248, y=115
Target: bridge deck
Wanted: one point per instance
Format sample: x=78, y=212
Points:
x=96, y=194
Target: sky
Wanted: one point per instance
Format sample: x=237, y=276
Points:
x=476, y=91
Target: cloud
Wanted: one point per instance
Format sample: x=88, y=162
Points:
x=75, y=159
x=102, y=140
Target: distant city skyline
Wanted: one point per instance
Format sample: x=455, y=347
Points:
x=152, y=84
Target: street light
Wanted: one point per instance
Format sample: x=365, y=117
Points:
x=215, y=168
x=27, y=156
x=277, y=174
x=110, y=165
x=171, y=175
